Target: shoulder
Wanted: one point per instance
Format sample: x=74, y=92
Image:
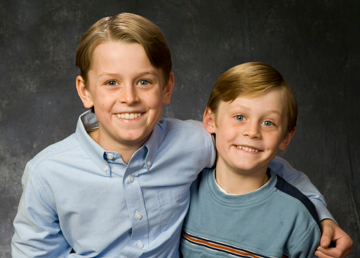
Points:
x=190, y=132
x=303, y=221
x=38, y=174
x=55, y=151
x=294, y=216
x=296, y=200
x=173, y=123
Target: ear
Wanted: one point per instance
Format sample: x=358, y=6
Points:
x=83, y=92
x=286, y=141
x=168, y=89
x=209, y=120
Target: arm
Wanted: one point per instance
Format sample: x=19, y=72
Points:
x=331, y=231
x=37, y=230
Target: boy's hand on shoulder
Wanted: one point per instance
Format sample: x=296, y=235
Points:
x=331, y=232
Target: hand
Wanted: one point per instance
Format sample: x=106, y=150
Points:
x=331, y=232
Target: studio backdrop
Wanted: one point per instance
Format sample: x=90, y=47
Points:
x=314, y=44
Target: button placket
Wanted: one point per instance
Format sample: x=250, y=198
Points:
x=135, y=200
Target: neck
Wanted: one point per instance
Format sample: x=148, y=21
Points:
x=126, y=151
x=240, y=182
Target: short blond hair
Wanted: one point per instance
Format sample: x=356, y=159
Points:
x=253, y=79
x=130, y=28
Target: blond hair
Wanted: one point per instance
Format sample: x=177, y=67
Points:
x=253, y=79
x=130, y=28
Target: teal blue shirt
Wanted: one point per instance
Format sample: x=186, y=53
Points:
x=276, y=220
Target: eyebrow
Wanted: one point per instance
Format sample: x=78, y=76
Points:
x=147, y=72
x=274, y=111
x=267, y=112
x=151, y=72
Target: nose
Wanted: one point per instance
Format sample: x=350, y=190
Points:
x=252, y=130
x=128, y=94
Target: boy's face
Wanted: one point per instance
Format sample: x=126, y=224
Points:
x=127, y=93
x=249, y=132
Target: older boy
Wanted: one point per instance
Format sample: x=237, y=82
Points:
x=242, y=208
x=119, y=186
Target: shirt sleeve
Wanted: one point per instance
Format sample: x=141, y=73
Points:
x=298, y=179
x=37, y=229
x=208, y=155
x=212, y=152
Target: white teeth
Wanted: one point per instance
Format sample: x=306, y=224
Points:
x=128, y=116
x=247, y=149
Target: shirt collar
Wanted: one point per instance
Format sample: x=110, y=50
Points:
x=243, y=199
x=88, y=122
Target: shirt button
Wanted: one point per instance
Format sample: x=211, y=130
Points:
x=148, y=163
x=106, y=168
x=140, y=244
x=131, y=179
x=110, y=156
x=138, y=215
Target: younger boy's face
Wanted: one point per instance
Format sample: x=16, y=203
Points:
x=249, y=132
x=127, y=93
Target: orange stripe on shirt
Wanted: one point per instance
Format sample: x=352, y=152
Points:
x=220, y=247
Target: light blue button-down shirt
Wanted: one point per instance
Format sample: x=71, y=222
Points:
x=76, y=195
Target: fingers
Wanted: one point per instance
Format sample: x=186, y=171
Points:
x=334, y=242
x=328, y=231
x=328, y=253
x=332, y=252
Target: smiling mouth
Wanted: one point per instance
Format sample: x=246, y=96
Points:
x=248, y=149
x=128, y=116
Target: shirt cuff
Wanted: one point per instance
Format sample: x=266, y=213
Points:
x=322, y=211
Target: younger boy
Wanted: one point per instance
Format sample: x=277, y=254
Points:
x=119, y=186
x=242, y=208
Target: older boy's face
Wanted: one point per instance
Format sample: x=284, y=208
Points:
x=127, y=93
x=249, y=132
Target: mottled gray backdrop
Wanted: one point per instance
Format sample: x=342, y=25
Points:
x=314, y=44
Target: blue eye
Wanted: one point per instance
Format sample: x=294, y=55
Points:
x=143, y=82
x=111, y=83
x=268, y=123
x=240, y=117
